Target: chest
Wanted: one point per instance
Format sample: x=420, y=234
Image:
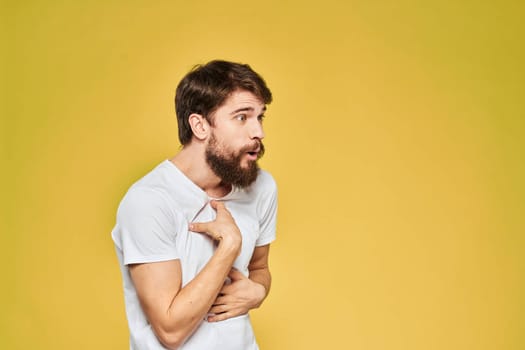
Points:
x=196, y=249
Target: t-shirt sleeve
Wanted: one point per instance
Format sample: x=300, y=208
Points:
x=147, y=228
x=268, y=216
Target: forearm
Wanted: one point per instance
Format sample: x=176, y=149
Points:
x=189, y=306
x=174, y=312
x=263, y=277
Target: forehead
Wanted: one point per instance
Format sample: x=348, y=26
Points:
x=242, y=99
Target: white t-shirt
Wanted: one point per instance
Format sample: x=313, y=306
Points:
x=152, y=226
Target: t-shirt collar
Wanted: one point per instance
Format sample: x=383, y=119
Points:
x=193, y=197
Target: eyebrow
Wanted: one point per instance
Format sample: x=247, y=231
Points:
x=246, y=109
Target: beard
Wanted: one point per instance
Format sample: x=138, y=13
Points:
x=228, y=166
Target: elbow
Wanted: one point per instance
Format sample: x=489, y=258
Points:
x=172, y=332
x=170, y=340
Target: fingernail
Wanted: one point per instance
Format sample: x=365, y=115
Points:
x=191, y=226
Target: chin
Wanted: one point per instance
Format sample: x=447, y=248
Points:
x=247, y=164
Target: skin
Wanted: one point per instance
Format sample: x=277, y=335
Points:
x=175, y=312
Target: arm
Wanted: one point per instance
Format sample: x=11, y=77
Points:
x=259, y=270
x=244, y=294
x=175, y=312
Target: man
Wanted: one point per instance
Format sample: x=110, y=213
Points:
x=192, y=236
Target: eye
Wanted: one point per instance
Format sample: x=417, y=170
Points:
x=241, y=117
x=261, y=117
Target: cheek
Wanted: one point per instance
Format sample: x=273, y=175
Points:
x=231, y=144
x=228, y=142
x=228, y=148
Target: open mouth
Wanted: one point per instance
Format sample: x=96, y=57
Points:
x=253, y=156
x=255, y=151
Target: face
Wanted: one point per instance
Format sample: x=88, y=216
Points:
x=235, y=142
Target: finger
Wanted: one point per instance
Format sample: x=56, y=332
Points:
x=224, y=291
x=227, y=290
x=219, y=309
x=220, y=207
x=217, y=205
x=221, y=317
x=236, y=275
x=222, y=300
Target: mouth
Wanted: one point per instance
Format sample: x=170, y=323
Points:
x=253, y=155
x=254, y=152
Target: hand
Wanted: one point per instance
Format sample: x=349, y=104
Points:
x=222, y=229
x=237, y=298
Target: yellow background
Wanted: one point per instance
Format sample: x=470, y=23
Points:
x=396, y=137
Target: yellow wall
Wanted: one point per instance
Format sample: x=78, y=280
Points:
x=396, y=136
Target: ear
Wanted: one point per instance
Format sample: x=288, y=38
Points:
x=199, y=126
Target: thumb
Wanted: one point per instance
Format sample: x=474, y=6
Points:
x=201, y=227
x=219, y=207
x=236, y=275
x=215, y=204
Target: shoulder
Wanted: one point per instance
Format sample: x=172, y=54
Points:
x=263, y=187
x=148, y=195
x=158, y=178
x=260, y=192
x=264, y=191
x=265, y=182
x=142, y=201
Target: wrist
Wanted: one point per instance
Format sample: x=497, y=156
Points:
x=231, y=245
x=259, y=293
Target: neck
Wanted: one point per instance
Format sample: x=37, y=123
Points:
x=191, y=161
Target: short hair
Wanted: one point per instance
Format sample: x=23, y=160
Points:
x=206, y=87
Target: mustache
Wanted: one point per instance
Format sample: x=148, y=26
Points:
x=256, y=146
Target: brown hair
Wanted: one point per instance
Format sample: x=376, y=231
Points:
x=206, y=87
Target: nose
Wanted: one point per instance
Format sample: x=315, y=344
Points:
x=256, y=130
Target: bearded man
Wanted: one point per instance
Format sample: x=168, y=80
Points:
x=192, y=236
